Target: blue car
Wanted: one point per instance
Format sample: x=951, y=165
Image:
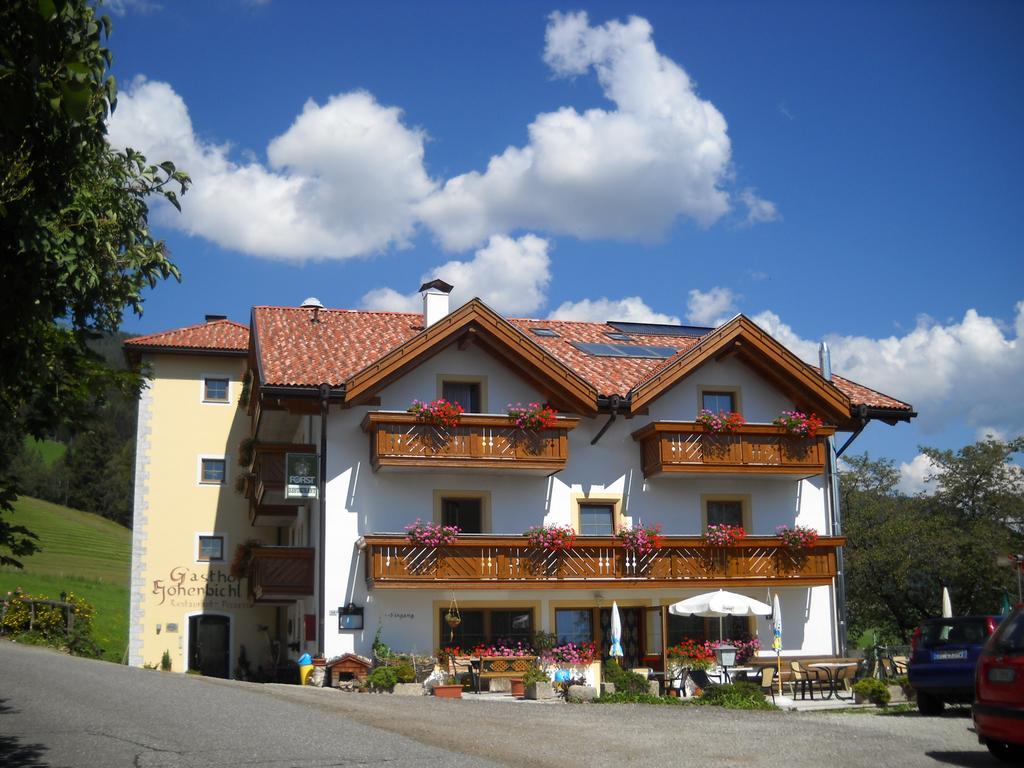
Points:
x=944, y=656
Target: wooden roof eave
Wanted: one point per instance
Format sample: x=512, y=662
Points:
x=477, y=318
x=753, y=343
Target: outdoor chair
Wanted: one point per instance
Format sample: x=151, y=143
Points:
x=899, y=664
x=805, y=678
x=766, y=679
x=844, y=680
x=701, y=679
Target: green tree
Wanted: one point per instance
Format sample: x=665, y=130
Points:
x=903, y=550
x=75, y=244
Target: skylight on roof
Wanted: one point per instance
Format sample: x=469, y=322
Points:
x=543, y=332
x=619, y=336
x=624, y=350
x=661, y=329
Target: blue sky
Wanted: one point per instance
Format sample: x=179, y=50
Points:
x=840, y=171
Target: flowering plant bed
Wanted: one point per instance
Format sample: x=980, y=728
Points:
x=695, y=654
x=509, y=649
x=439, y=412
x=799, y=424
x=553, y=538
x=797, y=537
x=532, y=416
x=722, y=422
x=431, y=534
x=578, y=654
x=641, y=540
x=721, y=535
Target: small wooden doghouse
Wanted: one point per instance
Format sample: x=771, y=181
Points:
x=349, y=667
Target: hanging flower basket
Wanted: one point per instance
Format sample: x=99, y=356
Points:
x=799, y=424
x=532, y=417
x=723, y=535
x=438, y=412
x=640, y=541
x=243, y=556
x=553, y=538
x=452, y=620
x=431, y=534
x=797, y=538
x=723, y=422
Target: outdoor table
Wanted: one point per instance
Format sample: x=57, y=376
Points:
x=830, y=668
x=741, y=672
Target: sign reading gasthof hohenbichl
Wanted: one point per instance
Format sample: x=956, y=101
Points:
x=300, y=475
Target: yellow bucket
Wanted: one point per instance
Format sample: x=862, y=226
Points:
x=304, y=672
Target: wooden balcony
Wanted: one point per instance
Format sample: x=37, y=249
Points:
x=401, y=440
x=678, y=446
x=281, y=574
x=509, y=562
x=264, y=486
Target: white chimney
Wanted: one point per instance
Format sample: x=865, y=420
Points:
x=435, y=301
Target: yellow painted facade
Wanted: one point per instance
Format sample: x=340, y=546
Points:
x=171, y=584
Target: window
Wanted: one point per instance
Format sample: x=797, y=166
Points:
x=724, y=511
x=466, y=513
x=574, y=625
x=215, y=389
x=465, y=393
x=544, y=332
x=212, y=471
x=486, y=625
x=718, y=401
x=211, y=548
x=597, y=519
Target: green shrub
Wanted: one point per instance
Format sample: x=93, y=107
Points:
x=165, y=661
x=405, y=672
x=873, y=690
x=535, y=675
x=738, y=695
x=629, y=683
x=382, y=679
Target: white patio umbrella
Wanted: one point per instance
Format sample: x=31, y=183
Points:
x=947, y=604
x=720, y=604
x=616, y=649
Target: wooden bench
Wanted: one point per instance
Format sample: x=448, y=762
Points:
x=501, y=666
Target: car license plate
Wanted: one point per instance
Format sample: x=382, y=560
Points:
x=950, y=655
x=1001, y=675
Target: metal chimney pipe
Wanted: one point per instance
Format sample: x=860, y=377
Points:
x=832, y=470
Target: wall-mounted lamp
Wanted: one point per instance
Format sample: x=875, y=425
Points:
x=350, y=617
x=158, y=628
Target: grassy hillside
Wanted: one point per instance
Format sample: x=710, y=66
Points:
x=50, y=450
x=81, y=553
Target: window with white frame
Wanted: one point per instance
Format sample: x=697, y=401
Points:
x=216, y=389
x=210, y=548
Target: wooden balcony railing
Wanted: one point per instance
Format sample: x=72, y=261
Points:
x=509, y=562
x=264, y=484
x=676, y=446
x=280, y=574
x=402, y=440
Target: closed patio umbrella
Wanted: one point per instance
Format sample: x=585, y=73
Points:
x=947, y=604
x=616, y=649
x=777, y=637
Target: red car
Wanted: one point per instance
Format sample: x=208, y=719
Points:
x=999, y=690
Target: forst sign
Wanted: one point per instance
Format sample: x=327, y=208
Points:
x=300, y=475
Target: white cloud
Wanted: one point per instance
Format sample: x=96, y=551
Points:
x=968, y=370
x=991, y=433
x=509, y=275
x=915, y=474
x=711, y=308
x=759, y=210
x=340, y=182
x=629, y=172
x=122, y=7
x=631, y=309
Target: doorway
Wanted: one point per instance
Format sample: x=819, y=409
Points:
x=209, y=645
x=632, y=635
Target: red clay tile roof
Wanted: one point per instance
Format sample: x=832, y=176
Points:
x=216, y=335
x=295, y=351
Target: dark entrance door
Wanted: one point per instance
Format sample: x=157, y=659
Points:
x=631, y=640
x=209, y=645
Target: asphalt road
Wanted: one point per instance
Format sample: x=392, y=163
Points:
x=61, y=711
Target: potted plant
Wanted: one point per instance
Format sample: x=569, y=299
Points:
x=873, y=690
x=517, y=687
x=243, y=556
x=799, y=424
x=640, y=540
x=553, y=538
x=431, y=534
x=438, y=412
x=537, y=684
x=532, y=417
x=722, y=535
x=797, y=538
x=449, y=689
x=723, y=422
